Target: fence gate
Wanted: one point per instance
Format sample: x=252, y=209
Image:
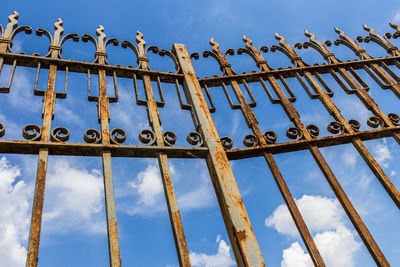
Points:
x=206, y=143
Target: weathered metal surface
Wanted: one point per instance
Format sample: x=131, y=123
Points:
x=44, y=141
x=161, y=140
x=241, y=235
x=104, y=118
x=259, y=140
x=329, y=175
x=74, y=149
x=48, y=114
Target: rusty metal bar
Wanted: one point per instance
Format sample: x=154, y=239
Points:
x=44, y=141
x=260, y=139
x=161, y=140
x=241, y=235
x=48, y=114
x=280, y=181
x=365, y=235
x=77, y=149
x=369, y=103
x=104, y=116
x=173, y=210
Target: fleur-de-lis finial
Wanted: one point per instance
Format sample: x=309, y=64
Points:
x=321, y=48
x=254, y=53
x=288, y=51
x=140, y=43
x=220, y=57
x=55, y=40
x=101, y=43
x=248, y=42
x=350, y=43
x=395, y=27
x=12, y=24
x=11, y=30
x=380, y=40
x=59, y=30
x=101, y=37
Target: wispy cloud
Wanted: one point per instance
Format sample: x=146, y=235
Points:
x=147, y=192
x=396, y=18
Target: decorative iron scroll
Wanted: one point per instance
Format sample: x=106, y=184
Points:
x=204, y=140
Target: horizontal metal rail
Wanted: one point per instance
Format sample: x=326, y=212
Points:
x=82, y=149
x=83, y=67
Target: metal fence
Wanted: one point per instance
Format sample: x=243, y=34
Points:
x=205, y=142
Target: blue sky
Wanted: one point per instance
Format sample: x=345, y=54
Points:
x=74, y=232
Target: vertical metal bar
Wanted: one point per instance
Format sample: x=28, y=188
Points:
x=351, y=212
x=365, y=235
x=237, y=223
x=37, y=207
x=172, y=204
x=375, y=167
x=104, y=115
x=280, y=181
x=363, y=151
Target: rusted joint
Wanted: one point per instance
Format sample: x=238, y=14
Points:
x=5, y=41
x=100, y=54
x=327, y=55
x=55, y=47
x=259, y=62
x=145, y=59
x=360, y=51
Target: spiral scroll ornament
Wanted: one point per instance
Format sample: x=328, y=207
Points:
x=117, y=136
x=374, y=122
x=32, y=132
x=195, y=139
x=169, y=138
x=393, y=117
x=226, y=142
x=92, y=136
x=2, y=130
x=250, y=140
x=294, y=133
x=313, y=130
x=270, y=137
x=147, y=136
x=355, y=125
x=334, y=127
x=60, y=134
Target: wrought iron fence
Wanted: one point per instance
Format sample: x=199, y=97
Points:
x=205, y=141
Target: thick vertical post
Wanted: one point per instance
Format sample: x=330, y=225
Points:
x=237, y=223
x=104, y=115
x=173, y=210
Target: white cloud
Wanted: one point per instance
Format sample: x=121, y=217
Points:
x=148, y=193
x=14, y=219
x=74, y=199
x=320, y=213
x=349, y=157
x=324, y=217
x=222, y=258
x=295, y=256
x=148, y=186
x=396, y=18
